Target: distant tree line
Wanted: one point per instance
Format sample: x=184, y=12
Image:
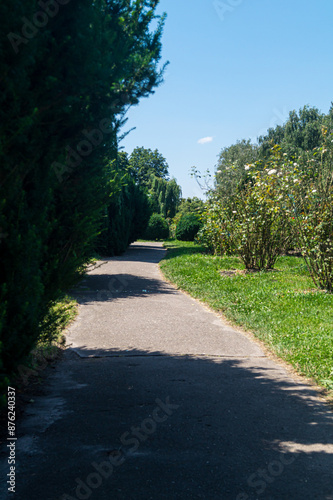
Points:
x=139, y=188
x=302, y=132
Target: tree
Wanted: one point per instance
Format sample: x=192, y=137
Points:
x=164, y=196
x=301, y=132
x=191, y=206
x=127, y=210
x=151, y=171
x=231, y=166
x=144, y=163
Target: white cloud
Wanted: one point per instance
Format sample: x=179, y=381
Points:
x=205, y=140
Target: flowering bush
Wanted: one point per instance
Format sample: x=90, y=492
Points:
x=254, y=222
x=259, y=220
x=213, y=234
x=312, y=202
x=281, y=204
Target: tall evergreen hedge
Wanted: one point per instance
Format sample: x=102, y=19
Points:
x=68, y=72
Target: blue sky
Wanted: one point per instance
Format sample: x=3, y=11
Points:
x=237, y=67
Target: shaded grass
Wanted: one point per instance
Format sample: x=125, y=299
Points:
x=52, y=339
x=281, y=307
x=61, y=313
x=47, y=350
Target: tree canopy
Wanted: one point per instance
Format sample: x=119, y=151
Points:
x=301, y=133
x=231, y=164
x=191, y=206
x=144, y=163
x=164, y=196
x=151, y=170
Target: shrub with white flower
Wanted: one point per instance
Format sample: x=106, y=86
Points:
x=258, y=217
x=213, y=234
x=312, y=202
x=280, y=205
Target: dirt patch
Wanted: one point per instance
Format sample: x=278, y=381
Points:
x=231, y=273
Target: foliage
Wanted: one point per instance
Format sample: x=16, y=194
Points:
x=164, y=196
x=158, y=228
x=191, y=206
x=186, y=206
x=145, y=163
x=258, y=220
x=63, y=94
x=60, y=314
x=188, y=227
x=255, y=222
x=204, y=180
x=280, y=307
x=316, y=238
x=301, y=132
x=150, y=170
x=312, y=202
x=230, y=167
x=284, y=200
x=127, y=210
x=213, y=233
x=300, y=196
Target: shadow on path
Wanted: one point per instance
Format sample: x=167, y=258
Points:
x=141, y=252
x=107, y=287
x=180, y=427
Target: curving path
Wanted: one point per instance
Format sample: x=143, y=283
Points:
x=156, y=398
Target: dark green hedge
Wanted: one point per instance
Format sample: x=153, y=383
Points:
x=63, y=90
x=187, y=227
x=158, y=228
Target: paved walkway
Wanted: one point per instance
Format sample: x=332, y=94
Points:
x=157, y=398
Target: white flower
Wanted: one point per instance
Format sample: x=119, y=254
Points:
x=273, y=171
x=247, y=167
x=295, y=164
x=314, y=191
x=234, y=212
x=295, y=180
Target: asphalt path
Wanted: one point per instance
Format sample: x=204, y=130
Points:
x=157, y=398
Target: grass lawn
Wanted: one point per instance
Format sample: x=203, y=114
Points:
x=281, y=307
